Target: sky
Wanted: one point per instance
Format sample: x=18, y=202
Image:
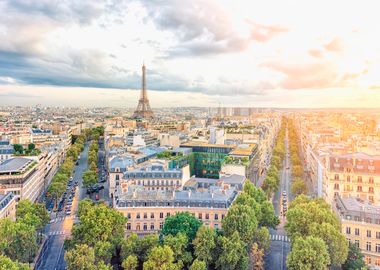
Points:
x=282, y=53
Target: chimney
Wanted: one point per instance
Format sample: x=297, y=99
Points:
x=189, y=193
x=134, y=194
x=212, y=194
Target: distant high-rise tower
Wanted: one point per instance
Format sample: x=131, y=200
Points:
x=143, y=109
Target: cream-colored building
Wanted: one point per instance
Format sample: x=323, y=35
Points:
x=8, y=206
x=360, y=222
x=22, y=177
x=352, y=175
x=146, y=210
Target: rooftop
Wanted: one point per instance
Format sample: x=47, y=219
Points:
x=15, y=165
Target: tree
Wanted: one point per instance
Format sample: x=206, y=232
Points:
x=241, y=219
x=161, y=258
x=232, y=253
x=104, y=251
x=82, y=257
x=298, y=186
x=97, y=223
x=262, y=239
x=297, y=171
x=204, y=244
x=140, y=247
x=337, y=244
x=270, y=185
x=308, y=253
x=179, y=244
x=34, y=214
x=18, y=240
x=268, y=216
x=355, y=259
x=198, y=265
x=257, y=257
x=19, y=149
x=56, y=189
x=31, y=147
x=89, y=178
x=183, y=222
x=7, y=264
x=303, y=213
x=130, y=263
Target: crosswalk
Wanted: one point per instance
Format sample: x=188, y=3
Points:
x=59, y=219
x=57, y=233
x=276, y=237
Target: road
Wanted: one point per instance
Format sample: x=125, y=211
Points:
x=280, y=246
x=60, y=226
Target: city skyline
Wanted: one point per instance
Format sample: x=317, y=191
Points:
x=201, y=53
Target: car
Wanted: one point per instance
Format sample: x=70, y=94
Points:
x=103, y=180
x=284, y=193
x=68, y=212
x=77, y=163
x=288, y=168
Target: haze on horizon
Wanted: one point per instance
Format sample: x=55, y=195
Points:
x=198, y=53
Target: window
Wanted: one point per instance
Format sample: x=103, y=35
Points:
x=369, y=233
x=336, y=176
x=168, y=214
x=216, y=217
x=357, y=243
x=145, y=215
x=360, y=179
x=222, y=216
x=138, y=215
x=359, y=189
x=161, y=225
x=216, y=226
x=151, y=215
x=145, y=227
x=128, y=226
x=377, y=262
x=357, y=231
x=368, y=260
x=377, y=248
x=370, y=198
x=200, y=215
x=336, y=186
x=348, y=230
x=117, y=177
x=348, y=178
x=371, y=190
x=368, y=246
x=129, y=215
x=377, y=235
x=161, y=215
x=370, y=180
x=137, y=227
x=152, y=227
x=207, y=216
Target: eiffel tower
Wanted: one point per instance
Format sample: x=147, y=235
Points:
x=143, y=109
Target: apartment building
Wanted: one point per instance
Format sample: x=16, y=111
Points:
x=146, y=210
x=360, y=222
x=21, y=176
x=353, y=175
x=6, y=150
x=8, y=206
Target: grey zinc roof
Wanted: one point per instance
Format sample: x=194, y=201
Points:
x=353, y=204
x=215, y=195
x=14, y=164
x=121, y=162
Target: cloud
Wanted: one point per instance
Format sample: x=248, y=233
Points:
x=306, y=75
x=264, y=33
x=201, y=27
x=316, y=53
x=334, y=45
